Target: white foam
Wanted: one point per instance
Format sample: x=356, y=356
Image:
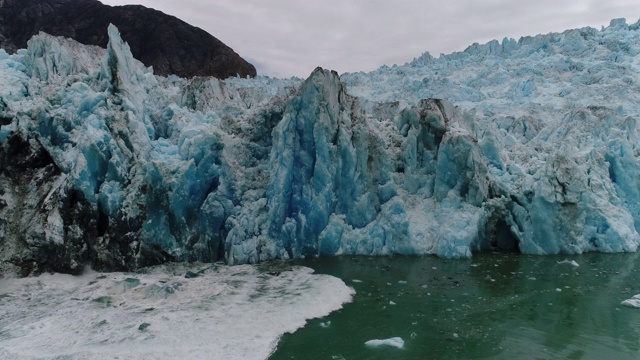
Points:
x=229, y=313
x=394, y=342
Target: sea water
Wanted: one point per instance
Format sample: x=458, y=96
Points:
x=493, y=306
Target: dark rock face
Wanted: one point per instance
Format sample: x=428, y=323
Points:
x=165, y=42
x=29, y=176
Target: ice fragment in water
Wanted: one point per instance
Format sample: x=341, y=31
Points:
x=394, y=342
x=569, y=262
x=634, y=302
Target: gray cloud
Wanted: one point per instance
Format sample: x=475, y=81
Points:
x=292, y=37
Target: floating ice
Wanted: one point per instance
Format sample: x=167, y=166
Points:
x=634, y=302
x=569, y=262
x=396, y=342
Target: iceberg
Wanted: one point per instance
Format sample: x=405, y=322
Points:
x=526, y=145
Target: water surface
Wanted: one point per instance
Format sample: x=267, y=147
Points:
x=494, y=306
x=168, y=312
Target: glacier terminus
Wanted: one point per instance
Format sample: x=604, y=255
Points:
x=526, y=145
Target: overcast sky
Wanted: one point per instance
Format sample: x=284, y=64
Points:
x=286, y=38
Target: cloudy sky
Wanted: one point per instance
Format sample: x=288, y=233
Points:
x=285, y=38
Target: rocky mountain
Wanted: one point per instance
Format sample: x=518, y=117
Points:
x=165, y=42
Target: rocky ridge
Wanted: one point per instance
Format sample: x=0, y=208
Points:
x=164, y=42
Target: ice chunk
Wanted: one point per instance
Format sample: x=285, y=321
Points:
x=634, y=302
x=396, y=342
x=123, y=286
x=569, y=262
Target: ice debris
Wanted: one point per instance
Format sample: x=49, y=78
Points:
x=57, y=316
x=396, y=342
x=569, y=262
x=634, y=302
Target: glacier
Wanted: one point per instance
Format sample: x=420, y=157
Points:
x=525, y=145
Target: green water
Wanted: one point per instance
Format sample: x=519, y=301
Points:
x=494, y=306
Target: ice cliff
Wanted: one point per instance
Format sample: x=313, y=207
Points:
x=527, y=145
